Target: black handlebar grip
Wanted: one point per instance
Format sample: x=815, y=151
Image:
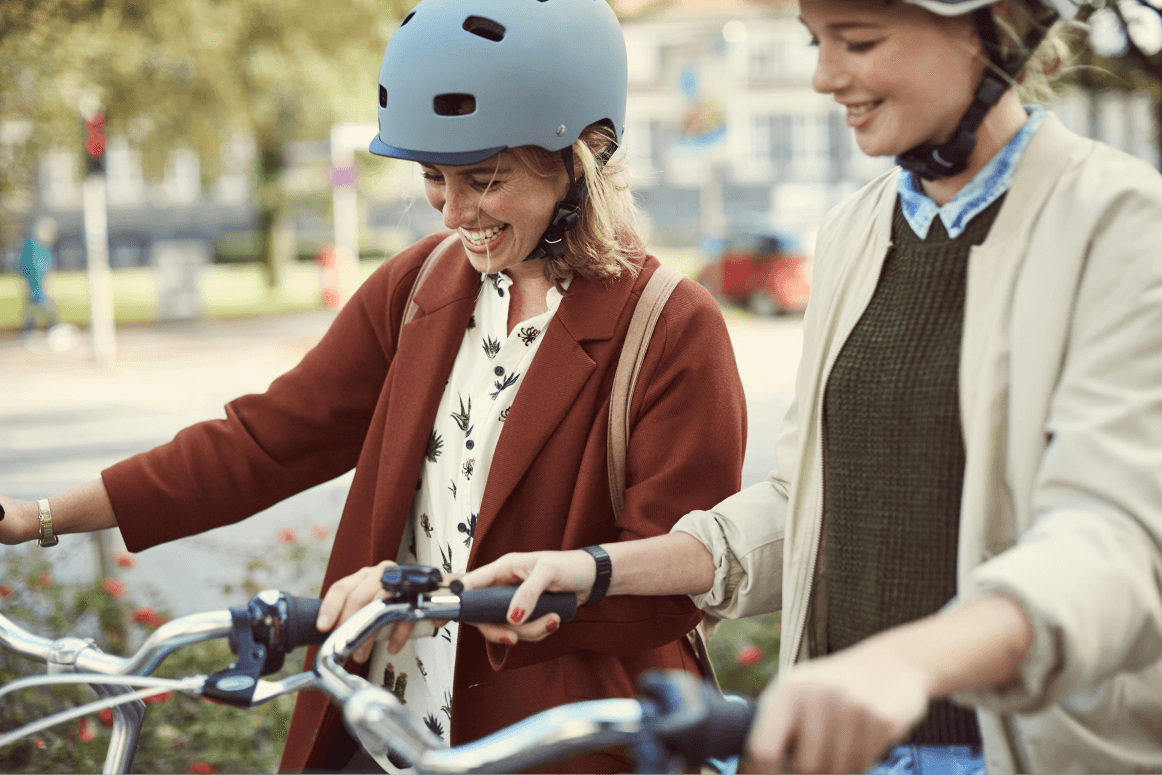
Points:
x=491, y=605
x=727, y=728
x=301, y=613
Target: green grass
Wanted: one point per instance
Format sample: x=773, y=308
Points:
x=228, y=290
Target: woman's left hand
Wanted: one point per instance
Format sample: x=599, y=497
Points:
x=838, y=713
x=535, y=572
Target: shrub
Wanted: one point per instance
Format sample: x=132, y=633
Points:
x=180, y=733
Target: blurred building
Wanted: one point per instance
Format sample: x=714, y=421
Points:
x=723, y=134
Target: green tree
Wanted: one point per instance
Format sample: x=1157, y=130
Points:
x=191, y=72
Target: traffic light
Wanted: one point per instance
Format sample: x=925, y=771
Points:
x=95, y=144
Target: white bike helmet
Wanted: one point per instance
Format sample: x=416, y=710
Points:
x=931, y=161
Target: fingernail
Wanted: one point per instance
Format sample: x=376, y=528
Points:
x=506, y=640
x=323, y=623
x=552, y=625
x=518, y=615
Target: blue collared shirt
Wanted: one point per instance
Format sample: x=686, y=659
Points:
x=985, y=188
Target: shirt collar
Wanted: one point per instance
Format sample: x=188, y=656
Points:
x=985, y=188
x=502, y=281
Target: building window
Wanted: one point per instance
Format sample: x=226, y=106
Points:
x=124, y=180
x=771, y=149
x=810, y=146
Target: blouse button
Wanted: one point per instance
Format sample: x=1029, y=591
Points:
x=498, y=371
x=470, y=444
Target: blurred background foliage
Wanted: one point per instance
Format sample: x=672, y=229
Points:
x=180, y=733
x=169, y=73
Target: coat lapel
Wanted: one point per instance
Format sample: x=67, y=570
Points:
x=427, y=349
x=560, y=371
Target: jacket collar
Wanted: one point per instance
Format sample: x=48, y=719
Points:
x=457, y=280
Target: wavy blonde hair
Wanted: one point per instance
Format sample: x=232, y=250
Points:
x=1049, y=61
x=604, y=243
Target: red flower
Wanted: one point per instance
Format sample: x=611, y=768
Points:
x=5, y=591
x=85, y=730
x=157, y=699
x=319, y=532
x=105, y=717
x=147, y=616
x=45, y=579
x=201, y=768
x=750, y=655
x=125, y=560
x=113, y=587
x=39, y=742
x=287, y=535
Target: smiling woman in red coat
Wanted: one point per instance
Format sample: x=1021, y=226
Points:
x=479, y=426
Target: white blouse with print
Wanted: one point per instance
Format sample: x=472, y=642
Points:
x=484, y=381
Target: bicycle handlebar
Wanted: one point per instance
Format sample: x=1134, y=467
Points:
x=675, y=720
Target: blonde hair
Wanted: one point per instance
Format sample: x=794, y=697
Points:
x=1052, y=57
x=604, y=242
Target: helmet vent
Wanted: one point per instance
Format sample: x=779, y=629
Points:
x=454, y=104
x=382, y=96
x=485, y=28
x=407, y=18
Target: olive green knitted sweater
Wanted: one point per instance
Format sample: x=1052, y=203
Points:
x=894, y=452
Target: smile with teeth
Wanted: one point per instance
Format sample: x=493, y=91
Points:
x=861, y=108
x=483, y=236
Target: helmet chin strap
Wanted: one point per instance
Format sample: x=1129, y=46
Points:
x=566, y=215
x=933, y=161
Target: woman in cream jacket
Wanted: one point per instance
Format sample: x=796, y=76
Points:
x=1052, y=629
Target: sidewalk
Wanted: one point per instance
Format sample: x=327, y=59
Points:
x=63, y=419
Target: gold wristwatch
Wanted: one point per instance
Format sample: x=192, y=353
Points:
x=47, y=537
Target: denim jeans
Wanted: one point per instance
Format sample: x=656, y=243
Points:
x=930, y=760
x=907, y=760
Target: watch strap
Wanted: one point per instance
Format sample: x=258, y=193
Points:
x=604, y=574
x=47, y=537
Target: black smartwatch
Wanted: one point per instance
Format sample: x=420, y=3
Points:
x=604, y=574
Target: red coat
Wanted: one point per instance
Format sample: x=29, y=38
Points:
x=355, y=402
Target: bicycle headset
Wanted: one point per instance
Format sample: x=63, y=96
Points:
x=933, y=161
x=464, y=80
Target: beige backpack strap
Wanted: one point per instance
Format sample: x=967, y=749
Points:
x=410, y=308
x=633, y=353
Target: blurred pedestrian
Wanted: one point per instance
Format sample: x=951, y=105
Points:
x=35, y=264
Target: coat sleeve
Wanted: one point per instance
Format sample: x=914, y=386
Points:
x=307, y=428
x=1087, y=573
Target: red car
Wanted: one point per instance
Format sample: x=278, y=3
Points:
x=766, y=273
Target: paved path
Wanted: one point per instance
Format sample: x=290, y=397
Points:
x=63, y=419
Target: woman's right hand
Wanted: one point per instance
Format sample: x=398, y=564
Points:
x=534, y=572
x=21, y=521
x=348, y=595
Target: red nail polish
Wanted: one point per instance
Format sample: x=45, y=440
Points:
x=507, y=641
x=518, y=615
x=552, y=626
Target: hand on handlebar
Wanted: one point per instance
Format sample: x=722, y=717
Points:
x=534, y=572
x=838, y=713
x=350, y=593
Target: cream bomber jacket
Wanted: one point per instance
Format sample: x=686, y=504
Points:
x=1061, y=406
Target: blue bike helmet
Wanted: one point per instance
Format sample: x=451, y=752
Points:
x=463, y=80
